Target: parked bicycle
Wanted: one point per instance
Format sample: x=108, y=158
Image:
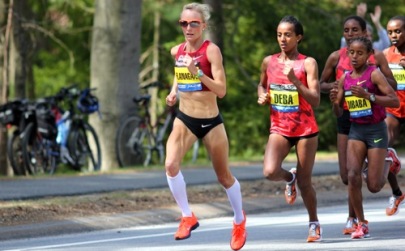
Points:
x=44, y=146
x=82, y=140
x=39, y=148
x=16, y=115
x=138, y=137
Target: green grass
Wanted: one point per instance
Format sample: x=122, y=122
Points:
x=202, y=161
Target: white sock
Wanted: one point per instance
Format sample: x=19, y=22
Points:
x=235, y=199
x=177, y=186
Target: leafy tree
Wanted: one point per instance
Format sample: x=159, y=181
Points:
x=60, y=42
x=63, y=29
x=249, y=35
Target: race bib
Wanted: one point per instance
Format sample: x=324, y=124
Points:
x=358, y=107
x=399, y=75
x=284, y=98
x=186, y=81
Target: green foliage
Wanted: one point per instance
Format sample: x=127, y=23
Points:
x=50, y=79
x=63, y=29
x=327, y=125
x=249, y=36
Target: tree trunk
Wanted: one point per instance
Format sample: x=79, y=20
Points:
x=155, y=70
x=216, y=30
x=3, y=131
x=21, y=47
x=115, y=67
x=4, y=48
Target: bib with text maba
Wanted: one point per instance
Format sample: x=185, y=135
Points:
x=358, y=107
x=344, y=66
x=362, y=111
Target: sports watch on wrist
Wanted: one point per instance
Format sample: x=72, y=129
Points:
x=372, y=97
x=200, y=73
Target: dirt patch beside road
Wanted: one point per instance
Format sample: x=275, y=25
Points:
x=14, y=213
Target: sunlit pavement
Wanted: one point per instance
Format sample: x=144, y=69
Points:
x=269, y=231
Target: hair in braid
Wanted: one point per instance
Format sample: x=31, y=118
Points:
x=298, y=28
x=366, y=42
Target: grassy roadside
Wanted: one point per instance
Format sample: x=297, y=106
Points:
x=65, y=171
x=56, y=208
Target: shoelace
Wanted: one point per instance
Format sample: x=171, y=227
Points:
x=392, y=202
x=359, y=230
x=312, y=230
x=238, y=230
x=363, y=228
x=183, y=228
x=349, y=224
x=394, y=156
x=289, y=189
x=183, y=222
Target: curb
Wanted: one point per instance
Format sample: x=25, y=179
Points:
x=269, y=204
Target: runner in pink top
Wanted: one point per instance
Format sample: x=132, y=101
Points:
x=367, y=92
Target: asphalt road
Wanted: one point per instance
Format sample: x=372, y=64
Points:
x=286, y=230
x=31, y=188
x=144, y=229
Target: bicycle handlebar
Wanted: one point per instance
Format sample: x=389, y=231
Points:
x=142, y=99
x=153, y=84
x=72, y=92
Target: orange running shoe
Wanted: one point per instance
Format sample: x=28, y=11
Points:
x=290, y=190
x=314, y=233
x=351, y=226
x=239, y=234
x=394, y=202
x=187, y=224
x=361, y=231
x=395, y=166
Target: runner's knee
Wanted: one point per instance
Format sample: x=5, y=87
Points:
x=172, y=167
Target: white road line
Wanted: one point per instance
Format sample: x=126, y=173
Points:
x=294, y=218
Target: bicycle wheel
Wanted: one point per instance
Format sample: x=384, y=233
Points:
x=133, y=146
x=84, y=147
x=15, y=153
x=39, y=153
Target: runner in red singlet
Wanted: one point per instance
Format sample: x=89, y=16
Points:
x=289, y=83
x=199, y=80
x=396, y=116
